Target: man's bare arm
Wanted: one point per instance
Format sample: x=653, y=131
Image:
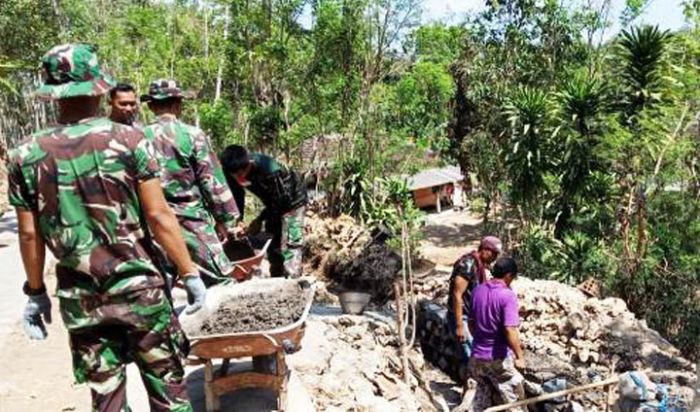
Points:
x=513, y=339
x=32, y=247
x=460, y=286
x=164, y=225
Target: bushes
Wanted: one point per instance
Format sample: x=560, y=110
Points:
x=571, y=260
x=664, y=289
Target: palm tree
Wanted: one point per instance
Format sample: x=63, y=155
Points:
x=582, y=101
x=641, y=51
x=530, y=134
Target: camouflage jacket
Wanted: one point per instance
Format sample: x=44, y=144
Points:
x=193, y=181
x=81, y=181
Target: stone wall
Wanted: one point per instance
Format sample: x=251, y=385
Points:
x=439, y=346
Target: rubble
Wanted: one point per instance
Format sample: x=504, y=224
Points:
x=568, y=335
x=351, y=363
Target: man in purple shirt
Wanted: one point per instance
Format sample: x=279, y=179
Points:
x=497, y=354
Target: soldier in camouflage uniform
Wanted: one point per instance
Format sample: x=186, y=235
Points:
x=86, y=188
x=193, y=182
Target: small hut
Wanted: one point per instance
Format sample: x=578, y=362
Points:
x=438, y=188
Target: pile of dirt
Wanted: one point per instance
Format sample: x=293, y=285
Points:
x=330, y=241
x=344, y=252
x=569, y=335
x=256, y=305
x=372, y=271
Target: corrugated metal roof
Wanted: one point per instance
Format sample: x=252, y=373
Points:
x=435, y=177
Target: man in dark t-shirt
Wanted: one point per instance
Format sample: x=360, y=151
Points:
x=282, y=192
x=468, y=271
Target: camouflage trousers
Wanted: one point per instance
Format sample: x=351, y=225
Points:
x=108, y=332
x=287, y=245
x=497, y=383
x=206, y=250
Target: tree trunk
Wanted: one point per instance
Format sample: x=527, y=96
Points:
x=401, y=332
x=220, y=71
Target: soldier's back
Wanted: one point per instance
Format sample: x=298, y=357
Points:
x=82, y=180
x=177, y=145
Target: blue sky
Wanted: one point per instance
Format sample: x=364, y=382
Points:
x=668, y=14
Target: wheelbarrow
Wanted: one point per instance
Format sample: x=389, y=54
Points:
x=246, y=268
x=243, y=268
x=276, y=343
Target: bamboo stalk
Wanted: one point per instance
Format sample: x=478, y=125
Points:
x=553, y=395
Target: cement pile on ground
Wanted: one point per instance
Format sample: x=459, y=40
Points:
x=251, y=306
x=567, y=334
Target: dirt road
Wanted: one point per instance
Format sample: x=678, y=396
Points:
x=448, y=235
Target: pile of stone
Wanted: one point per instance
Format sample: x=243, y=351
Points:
x=567, y=335
x=593, y=335
x=330, y=241
x=352, y=363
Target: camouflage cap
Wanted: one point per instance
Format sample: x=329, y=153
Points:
x=162, y=89
x=73, y=70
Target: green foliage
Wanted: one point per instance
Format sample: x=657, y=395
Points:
x=528, y=113
x=422, y=102
x=641, y=51
x=571, y=260
x=583, y=102
x=586, y=148
x=216, y=119
x=437, y=42
x=633, y=9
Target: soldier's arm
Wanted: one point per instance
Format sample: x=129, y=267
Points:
x=31, y=242
x=212, y=183
x=32, y=247
x=164, y=225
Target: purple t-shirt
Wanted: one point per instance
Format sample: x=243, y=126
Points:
x=494, y=307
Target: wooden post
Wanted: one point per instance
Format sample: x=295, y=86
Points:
x=209, y=397
x=553, y=395
x=401, y=331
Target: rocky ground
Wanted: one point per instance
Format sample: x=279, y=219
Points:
x=570, y=335
x=351, y=363
x=355, y=367
x=567, y=334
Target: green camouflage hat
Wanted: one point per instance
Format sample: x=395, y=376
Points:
x=162, y=89
x=73, y=70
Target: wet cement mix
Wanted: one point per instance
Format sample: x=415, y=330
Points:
x=258, y=311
